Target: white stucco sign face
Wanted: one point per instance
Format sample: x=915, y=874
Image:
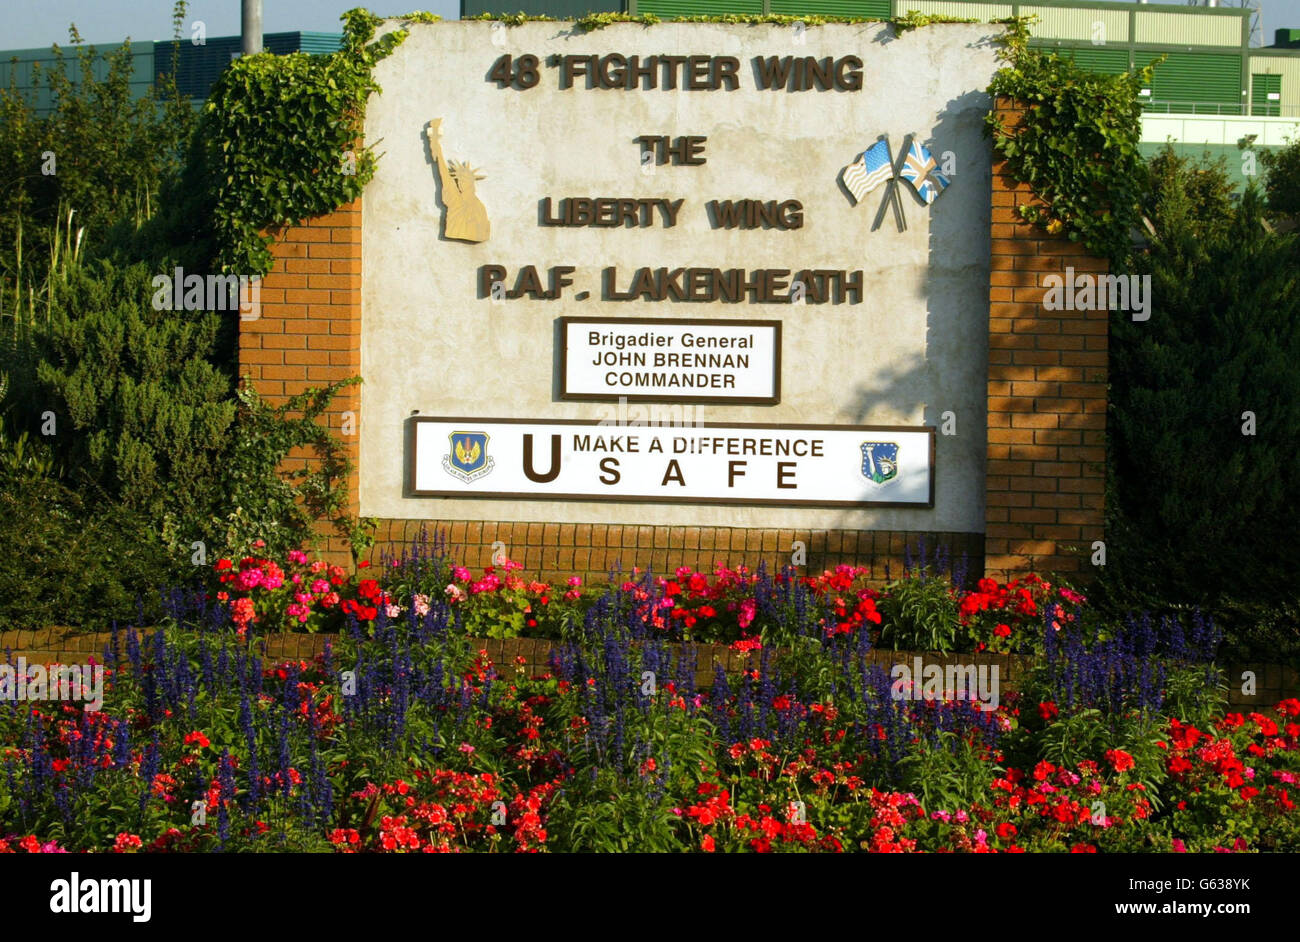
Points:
x=767, y=243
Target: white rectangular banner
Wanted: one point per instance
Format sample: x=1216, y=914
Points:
x=652, y=359
x=827, y=466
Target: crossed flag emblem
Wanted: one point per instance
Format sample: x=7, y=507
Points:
x=875, y=166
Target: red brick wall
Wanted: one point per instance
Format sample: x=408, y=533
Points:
x=309, y=329
x=1046, y=397
x=557, y=550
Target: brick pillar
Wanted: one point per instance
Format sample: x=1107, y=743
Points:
x=308, y=333
x=1045, y=478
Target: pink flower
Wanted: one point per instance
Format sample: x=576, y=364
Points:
x=272, y=576
x=748, y=609
x=1179, y=846
x=392, y=611
x=466, y=748
x=455, y=593
x=297, y=557
x=575, y=581
x=421, y=605
x=248, y=579
x=460, y=574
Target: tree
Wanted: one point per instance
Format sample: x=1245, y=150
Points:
x=1205, y=409
x=1282, y=180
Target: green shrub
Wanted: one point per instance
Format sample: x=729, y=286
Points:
x=141, y=411
x=1203, y=507
x=919, y=613
x=68, y=562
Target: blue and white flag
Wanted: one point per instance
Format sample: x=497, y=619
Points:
x=920, y=170
x=872, y=168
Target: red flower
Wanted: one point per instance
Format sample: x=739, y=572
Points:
x=1002, y=631
x=125, y=843
x=707, y=844
x=1048, y=711
x=1120, y=760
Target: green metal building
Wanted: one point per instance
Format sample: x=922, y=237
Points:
x=197, y=67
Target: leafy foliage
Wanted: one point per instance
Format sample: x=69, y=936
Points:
x=279, y=140
x=1203, y=506
x=144, y=409
x=919, y=613
x=1282, y=182
x=75, y=559
x=1077, y=146
x=278, y=507
x=594, y=21
x=102, y=152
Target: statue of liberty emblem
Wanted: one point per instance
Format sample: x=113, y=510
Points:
x=466, y=218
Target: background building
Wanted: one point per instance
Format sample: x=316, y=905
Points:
x=196, y=70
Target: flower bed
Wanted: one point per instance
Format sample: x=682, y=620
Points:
x=737, y=606
x=405, y=737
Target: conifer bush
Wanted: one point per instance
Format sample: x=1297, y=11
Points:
x=1205, y=416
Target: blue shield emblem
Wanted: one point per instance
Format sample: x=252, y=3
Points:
x=880, y=461
x=468, y=458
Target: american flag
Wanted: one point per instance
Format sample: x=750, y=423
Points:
x=872, y=168
x=919, y=169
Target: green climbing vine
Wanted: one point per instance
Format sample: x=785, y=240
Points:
x=595, y=21
x=279, y=139
x=1077, y=147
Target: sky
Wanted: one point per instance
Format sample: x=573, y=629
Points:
x=38, y=23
